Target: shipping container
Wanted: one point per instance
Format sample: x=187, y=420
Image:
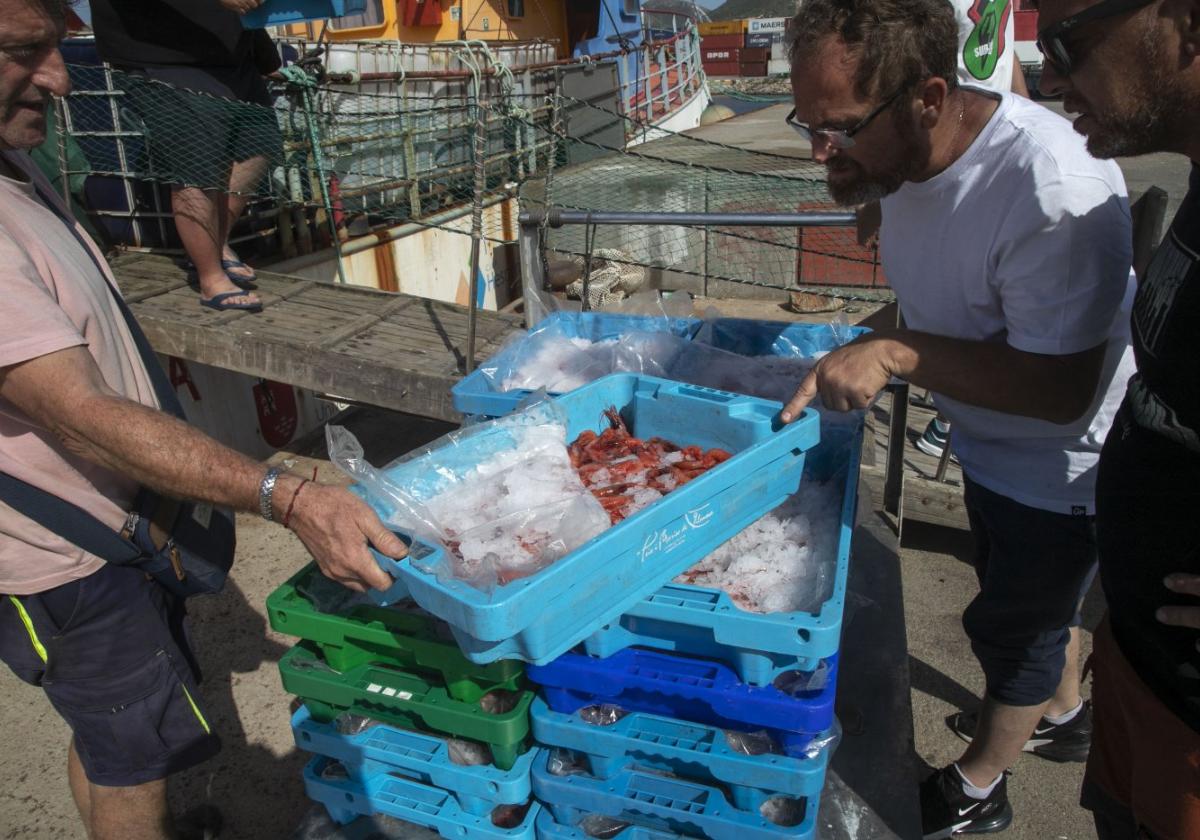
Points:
x=709, y=55
x=754, y=55
x=722, y=68
x=773, y=25
x=721, y=42
x=757, y=68
x=722, y=27
x=762, y=40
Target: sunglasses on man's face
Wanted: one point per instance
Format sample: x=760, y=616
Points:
x=839, y=138
x=1051, y=41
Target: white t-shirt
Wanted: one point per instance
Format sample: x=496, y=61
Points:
x=1024, y=239
x=986, y=40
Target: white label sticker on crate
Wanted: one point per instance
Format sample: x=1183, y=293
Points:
x=390, y=692
x=374, y=688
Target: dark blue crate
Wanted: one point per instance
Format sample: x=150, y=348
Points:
x=347, y=799
x=475, y=393
x=417, y=756
x=697, y=690
x=689, y=750
x=661, y=803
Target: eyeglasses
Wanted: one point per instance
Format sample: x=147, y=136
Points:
x=1050, y=40
x=839, y=138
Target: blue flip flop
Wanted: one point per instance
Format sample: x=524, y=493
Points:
x=239, y=265
x=239, y=280
x=219, y=303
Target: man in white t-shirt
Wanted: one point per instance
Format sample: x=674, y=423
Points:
x=1008, y=247
x=985, y=59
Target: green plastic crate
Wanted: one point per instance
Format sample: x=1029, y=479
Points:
x=404, y=699
x=366, y=634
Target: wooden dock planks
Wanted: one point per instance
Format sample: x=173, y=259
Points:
x=390, y=350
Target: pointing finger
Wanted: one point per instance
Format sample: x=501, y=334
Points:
x=803, y=396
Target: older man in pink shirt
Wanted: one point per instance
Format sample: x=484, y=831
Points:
x=79, y=419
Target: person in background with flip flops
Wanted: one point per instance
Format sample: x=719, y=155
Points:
x=185, y=62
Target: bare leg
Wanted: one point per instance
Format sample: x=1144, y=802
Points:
x=242, y=181
x=80, y=789
x=119, y=813
x=1067, y=697
x=131, y=813
x=999, y=739
x=198, y=219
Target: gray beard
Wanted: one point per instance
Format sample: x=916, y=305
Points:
x=861, y=192
x=1150, y=128
x=1146, y=131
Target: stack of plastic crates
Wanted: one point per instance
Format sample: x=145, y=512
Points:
x=689, y=716
x=400, y=724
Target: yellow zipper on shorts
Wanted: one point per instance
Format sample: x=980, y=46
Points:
x=33, y=636
x=195, y=709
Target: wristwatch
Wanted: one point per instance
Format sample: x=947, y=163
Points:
x=266, y=490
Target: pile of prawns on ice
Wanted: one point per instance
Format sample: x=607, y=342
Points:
x=626, y=473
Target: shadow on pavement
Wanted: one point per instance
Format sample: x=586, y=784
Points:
x=258, y=793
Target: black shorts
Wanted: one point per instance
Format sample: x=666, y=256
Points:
x=199, y=121
x=111, y=652
x=1034, y=567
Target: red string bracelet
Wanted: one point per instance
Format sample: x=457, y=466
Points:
x=288, y=514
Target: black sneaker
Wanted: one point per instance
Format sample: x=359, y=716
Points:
x=946, y=810
x=1068, y=741
x=935, y=439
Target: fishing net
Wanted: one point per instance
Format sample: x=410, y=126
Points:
x=461, y=146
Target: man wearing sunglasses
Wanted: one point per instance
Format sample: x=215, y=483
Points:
x=1130, y=70
x=1008, y=247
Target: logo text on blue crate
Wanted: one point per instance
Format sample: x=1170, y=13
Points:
x=669, y=539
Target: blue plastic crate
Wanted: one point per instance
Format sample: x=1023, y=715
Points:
x=548, y=829
x=696, y=690
x=422, y=758
x=475, y=394
x=660, y=802
x=536, y=619
x=276, y=12
x=700, y=621
x=751, y=337
x=346, y=799
x=689, y=750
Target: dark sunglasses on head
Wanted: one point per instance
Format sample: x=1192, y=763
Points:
x=839, y=138
x=1050, y=40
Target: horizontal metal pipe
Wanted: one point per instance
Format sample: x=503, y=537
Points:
x=557, y=218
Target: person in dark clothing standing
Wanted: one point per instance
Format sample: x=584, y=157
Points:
x=1132, y=71
x=212, y=149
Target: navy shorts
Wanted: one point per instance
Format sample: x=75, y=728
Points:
x=111, y=652
x=199, y=121
x=1034, y=567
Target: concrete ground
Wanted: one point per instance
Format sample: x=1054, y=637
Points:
x=256, y=779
